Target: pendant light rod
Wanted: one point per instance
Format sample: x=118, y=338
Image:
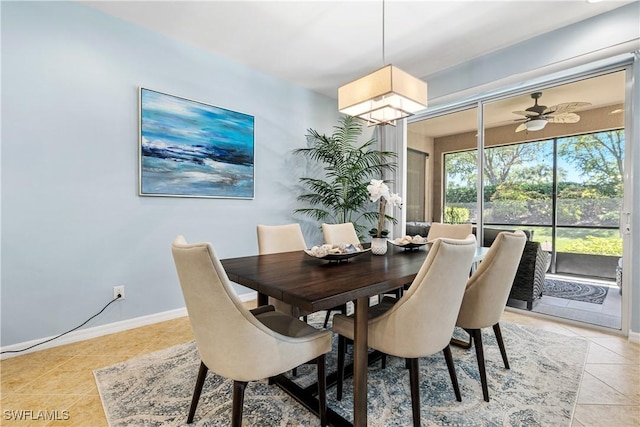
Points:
x=383, y=58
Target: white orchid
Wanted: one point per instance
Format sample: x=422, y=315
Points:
x=379, y=191
x=395, y=199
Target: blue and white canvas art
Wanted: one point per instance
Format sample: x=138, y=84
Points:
x=192, y=149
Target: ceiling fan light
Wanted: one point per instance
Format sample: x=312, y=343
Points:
x=383, y=96
x=536, y=124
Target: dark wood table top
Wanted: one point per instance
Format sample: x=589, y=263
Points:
x=314, y=284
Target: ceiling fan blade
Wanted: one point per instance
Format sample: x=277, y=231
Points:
x=526, y=113
x=521, y=127
x=567, y=107
x=564, y=118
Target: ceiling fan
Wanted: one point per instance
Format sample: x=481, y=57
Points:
x=537, y=116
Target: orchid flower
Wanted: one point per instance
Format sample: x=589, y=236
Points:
x=379, y=191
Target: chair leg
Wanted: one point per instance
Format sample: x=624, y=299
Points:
x=238, y=402
x=477, y=338
x=202, y=374
x=322, y=390
x=503, y=351
x=326, y=318
x=343, y=310
x=342, y=348
x=383, y=361
x=414, y=382
x=452, y=372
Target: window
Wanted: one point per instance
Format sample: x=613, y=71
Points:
x=520, y=183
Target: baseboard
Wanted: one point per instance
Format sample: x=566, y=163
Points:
x=98, y=331
x=634, y=337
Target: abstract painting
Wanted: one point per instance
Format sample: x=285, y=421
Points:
x=192, y=149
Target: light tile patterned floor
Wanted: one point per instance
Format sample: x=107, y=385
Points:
x=60, y=380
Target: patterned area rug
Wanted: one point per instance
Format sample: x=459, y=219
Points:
x=575, y=291
x=540, y=389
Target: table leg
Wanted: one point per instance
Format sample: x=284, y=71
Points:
x=360, y=364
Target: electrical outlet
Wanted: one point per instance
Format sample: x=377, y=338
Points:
x=118, y=290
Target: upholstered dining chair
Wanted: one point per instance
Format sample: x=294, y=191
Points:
x=234, y=342
x=286, y=238
x=451, y=231
x=281, y=238
x=340, y=233
x=486, y=296
x=334, y=234
x=422, y=321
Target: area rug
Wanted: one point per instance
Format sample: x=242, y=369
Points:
x=540, y=389
x=575, y=291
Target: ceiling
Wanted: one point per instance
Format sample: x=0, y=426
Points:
x=321, y=45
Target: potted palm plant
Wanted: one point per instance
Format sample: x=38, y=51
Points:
x=341, y=195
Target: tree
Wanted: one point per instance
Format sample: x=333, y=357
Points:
x=341, y=194
x=461, y=169
x=599, y=156
x=503, y=164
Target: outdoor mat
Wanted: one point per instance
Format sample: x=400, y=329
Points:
x=540, y=389
x=575, y=291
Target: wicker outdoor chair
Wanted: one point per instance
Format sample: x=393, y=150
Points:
x=527, y=285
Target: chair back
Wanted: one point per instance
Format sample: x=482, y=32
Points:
x=280, y=238
x=422, y=321
x=340, y=233
x=488, y=288
x=450, y=231
x=231, y=341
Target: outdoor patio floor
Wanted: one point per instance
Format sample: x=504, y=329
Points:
x=607, y=314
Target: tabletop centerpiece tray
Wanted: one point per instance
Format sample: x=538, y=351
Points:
x=337, y=252
x=409, y=243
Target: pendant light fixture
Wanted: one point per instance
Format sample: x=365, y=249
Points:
x=383, y=96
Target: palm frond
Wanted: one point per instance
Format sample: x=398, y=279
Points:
x=341, y=194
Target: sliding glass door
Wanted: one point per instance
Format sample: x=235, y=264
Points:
x=551, y=164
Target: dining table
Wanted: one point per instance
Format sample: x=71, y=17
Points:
x=315, y=284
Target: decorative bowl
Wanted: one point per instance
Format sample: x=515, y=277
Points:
x=408, y=243
x=345, y=252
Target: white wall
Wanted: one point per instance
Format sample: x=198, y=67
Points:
x=72, y=223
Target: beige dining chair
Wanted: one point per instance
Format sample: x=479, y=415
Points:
x=281, y=238
x=486, y=296
x=340, y=233
x=287, y=238
x=234, y=342
x=422, y=321
x=335, y=234
x=451, y=231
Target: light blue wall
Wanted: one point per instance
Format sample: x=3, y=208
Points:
x=72, y=223
x=597, y=39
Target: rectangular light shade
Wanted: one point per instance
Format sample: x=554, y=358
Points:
x=383, y=96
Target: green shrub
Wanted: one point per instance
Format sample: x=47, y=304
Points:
x=456, y=215
x=596, y=246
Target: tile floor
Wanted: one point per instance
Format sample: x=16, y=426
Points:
x=60, y=380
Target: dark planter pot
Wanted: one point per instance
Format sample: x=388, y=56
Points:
x=602, y=266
